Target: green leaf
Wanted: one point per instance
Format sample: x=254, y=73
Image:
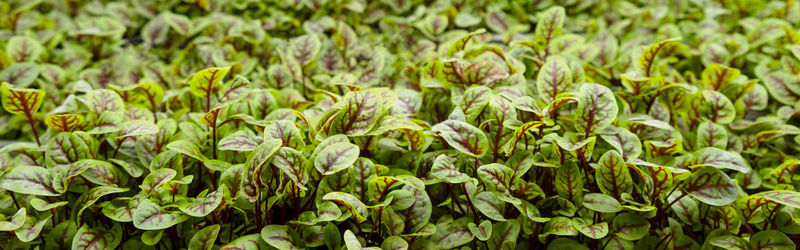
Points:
x=451, y=234
x=292, y=163
x=353, y=204
x=625, y=142
x=597, y=108
x=482, y=231
x=550, y=24
x=729, y=242
x=21, y=101
x=305, y=48
x=205, y=238
x=444, y=169
x=202, y=205
x=98, y=172
x=719, y=108
x=496, y=177
x=461, y=44
x=206, y=82
x=156, y=179
x=24, y=49
x=553, y=79
x=336, y=157
x=252, y=241
x=648, y=58
x=613, y=177
x=490, y=205
x=31, y=229
x=29, y=180
x=783, y=197
x=238, y=141
x=718, y=76
x=771, y=239
x=97, y=237
x=187, y=148
x=138, y=128
x=569, y=181
x=278, y=236
x=711, y=186
x=721, y=159
x=151, y=216
x=359, y=111
x=782, y=86
x=463, y=137
x=601, y=203
x=630, y=226
x=102, y=100
x=474, y=100
x=16, y=221
x=711, y=135
x=594, y=231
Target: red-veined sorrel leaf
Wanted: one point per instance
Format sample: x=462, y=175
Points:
x=549, y=24
x=718, y=76
x=97, y=237
x=155, y=179
x=353, y=204
x=294, y=164
x=187, y=148
x=782, y=86
x=21, y=101
x=328, y=211
x=444, y=169
x=138, y=128
x=89, y=198
x=64, y=123
x=569, y=181
x=206, y=82
x=205, y=238
x=238, y=141
x=451, y=234
x=121, y=208
x=504, y=232
x=24, y=49
x=252, y=241
x=16, y=221
x=711, y=186
x=98, y=172
x=107, y=122
x=359, y=111
x=771, y=239
x=305, y=48
x=648, y=58
x=627, y=143
x=463, y=137
x=151, y=216
x=630, y=226
x=483, y=73
x=29, y=180
x=719, y=108
x=394, y=243
x=68, y=147
x=474, y=101
x=103, y=100
x=20, y=74
x=721, y=159
x=496, y=177
x=336, y=157
x=586, y=227
x=233, y=91
x=204, y=204
x=253, y=166
x=729, y=242
x=613, y=177
x=710, y=134
x=460, y=44
x=601, y=203
x=278, y=236
x=490, y=205
x=783, y=197
x=553, y=79
x=179, y=23
x=287, y=132
x=597, y=108
x=482, y=231
x=153, y=92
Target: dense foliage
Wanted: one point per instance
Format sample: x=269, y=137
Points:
x=342, y=124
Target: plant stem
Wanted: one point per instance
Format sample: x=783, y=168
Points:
x=14, y=198
x=35, y=132
x=214, y=141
